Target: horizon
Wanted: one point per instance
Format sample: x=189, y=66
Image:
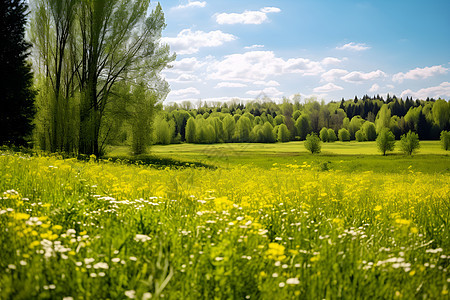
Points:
x=328, y=50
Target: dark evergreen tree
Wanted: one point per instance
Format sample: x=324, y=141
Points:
x=16, y=79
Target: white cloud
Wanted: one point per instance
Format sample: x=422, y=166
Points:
x=356, y=77
x=419, y=73
x=189, y=42
x=266, y=83
x=247, y=17
x=258, y=65
x=440, y=91
x=375, y=87
x=187, y=91
x=254, y=47
x=333, y=74
x=191, y=4
x=230, y=85
x=331, y=61
x=354, y=47
x=329, y=87
x=184, y=78
x=189, y=64
x=270, y=92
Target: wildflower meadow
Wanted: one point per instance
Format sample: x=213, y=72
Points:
x=99, y=229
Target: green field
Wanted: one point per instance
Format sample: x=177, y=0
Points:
x=239, y=221
x=346, y=156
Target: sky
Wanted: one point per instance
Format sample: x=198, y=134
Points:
x=326, y=49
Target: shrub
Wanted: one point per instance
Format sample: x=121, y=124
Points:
x=409, y=143
x=344, y=135
x=312, y=143
x=385, y=140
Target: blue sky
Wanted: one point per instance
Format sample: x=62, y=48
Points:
x=327, y=49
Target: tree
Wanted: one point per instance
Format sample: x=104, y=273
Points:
x=441, y=113
x=17, y=95
x=385, y=140
x=191, y=130
x=324, y=134
x=228, y=124
x=409, y=143
x=360, y=136
x=303, y=127
x=445, y=140
x=331, y=135
x=312, y=143
x=85, y=48
x=383, y=118
x=369, y=131
x=344, y=135
x=283, y=134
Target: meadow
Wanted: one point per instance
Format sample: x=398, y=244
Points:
x=257, y=221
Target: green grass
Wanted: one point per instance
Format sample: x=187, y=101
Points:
x=345, y=156
x=268, y=222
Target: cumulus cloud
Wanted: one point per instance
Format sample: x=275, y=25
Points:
x=333, y=74
x=191, y=4
x=254, y=47
x=329, y=87
x=270, y=92
x=189, y=42
x=354, y=47
x=184, y=78
x=189, y=64
x=258, y=65
x=440, y=91
x=187, y=91
x=266, y=83
x=420, y=73
x=356, y=77
x=247, y=17
x=375, y=87
x=331, y=61
x=230, y=85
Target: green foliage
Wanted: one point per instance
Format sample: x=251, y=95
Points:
x=383, y=118
x=191, y=130
x=331, y=135
x=360, y=136
x=303, y=127
x=409, y=143
x=243, y=129
x=369, y=131
x=283, y=134
x=323, y=134
x=17, y=96
x=313, y=143
x=355, y=125
x=344, y=135
x=445, y=140
x=385, y=141
x=229, y=125
x=441, y=113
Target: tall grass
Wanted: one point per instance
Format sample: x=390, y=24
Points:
x=95, y=230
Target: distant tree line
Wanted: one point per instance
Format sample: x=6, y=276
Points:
x=268, y=122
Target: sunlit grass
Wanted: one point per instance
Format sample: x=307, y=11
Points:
x=71, y=229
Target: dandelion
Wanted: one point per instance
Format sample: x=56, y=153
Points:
x=293, y=281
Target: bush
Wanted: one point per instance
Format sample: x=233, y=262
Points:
x=324, y=134
x=385, y=140
x=312, y=143
x=344, y=135
x=331, y=135
x=409, y=143
x=445, y=140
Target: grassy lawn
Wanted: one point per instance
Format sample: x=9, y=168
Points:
x=345, y=156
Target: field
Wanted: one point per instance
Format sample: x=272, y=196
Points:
x=255, y=222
